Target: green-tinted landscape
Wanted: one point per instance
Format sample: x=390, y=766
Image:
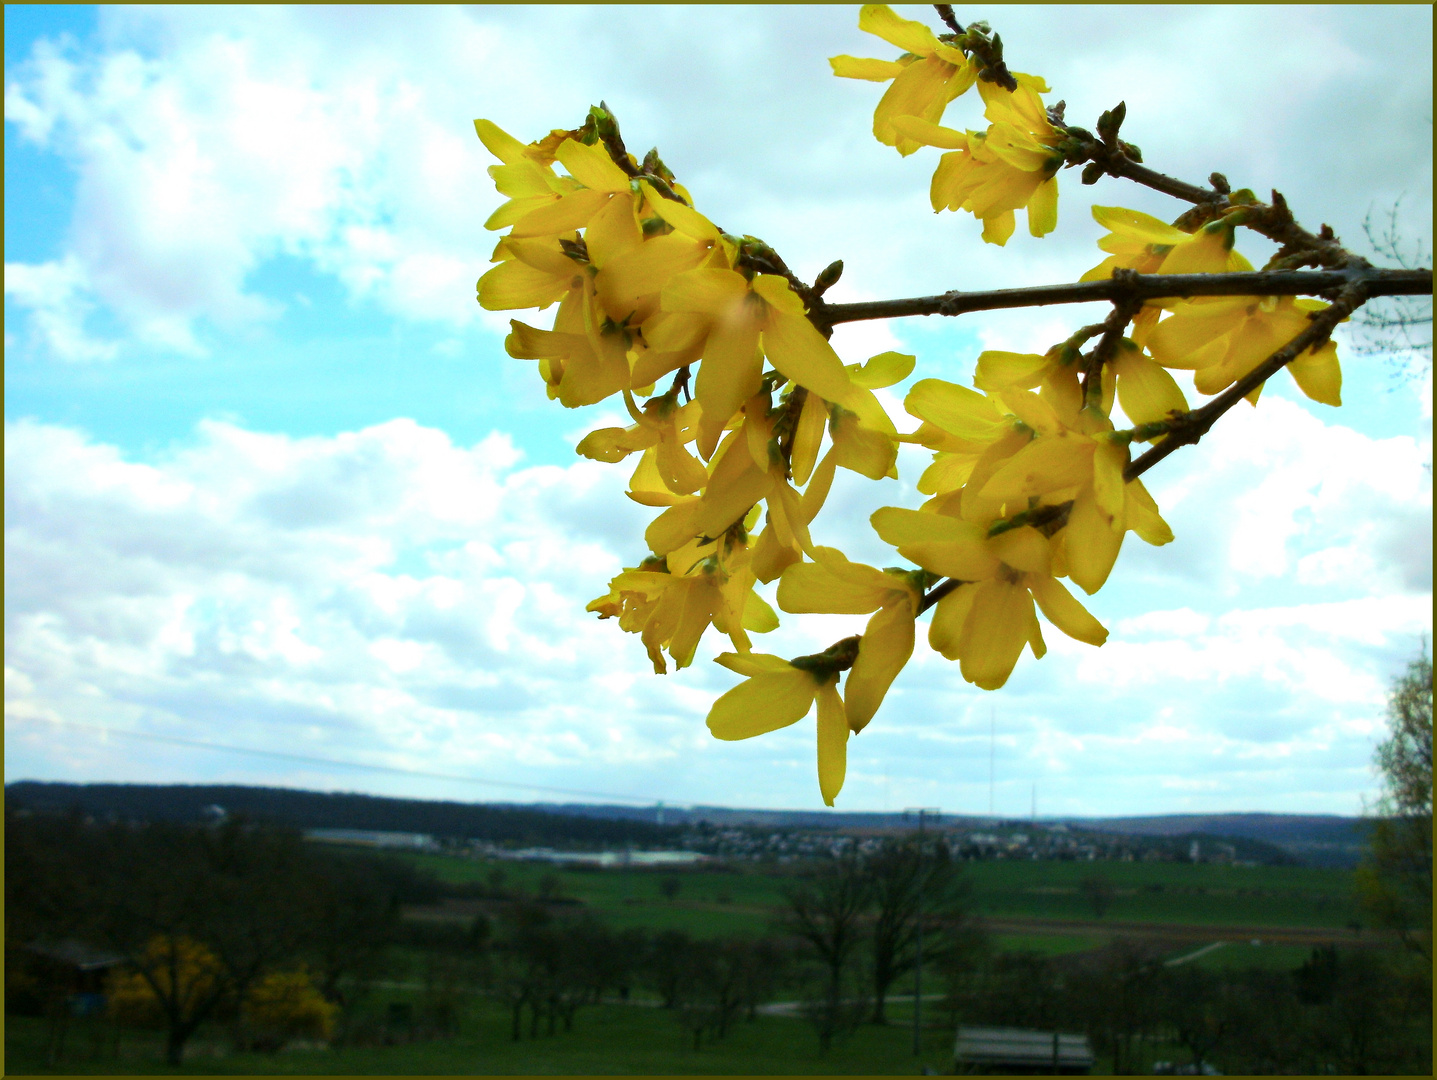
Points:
x=456, y=963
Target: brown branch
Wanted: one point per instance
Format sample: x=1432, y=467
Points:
x=1113, y=329
x=1274, y=220
x=1377, y=282
x=938, y=592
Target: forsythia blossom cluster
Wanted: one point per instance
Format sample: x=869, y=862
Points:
x=738, y=451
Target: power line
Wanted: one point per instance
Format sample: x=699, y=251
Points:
x=313, y=760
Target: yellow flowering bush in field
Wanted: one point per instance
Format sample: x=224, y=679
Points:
x=286, y=1005
x=172, y=974
x=1033, y=485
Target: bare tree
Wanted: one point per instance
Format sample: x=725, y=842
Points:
x=1399, y=327
x=1396, y=881
x=827, y=913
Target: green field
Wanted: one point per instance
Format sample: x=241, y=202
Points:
x=605, y=1040
x=1179, y=893
x=715, y=903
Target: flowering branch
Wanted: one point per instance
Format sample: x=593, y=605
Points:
x=1030, y=483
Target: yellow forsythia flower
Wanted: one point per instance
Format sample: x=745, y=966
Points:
x=835, y=586
x=1223, y=338
x=985, y=622
x=776, y=694
x=1011, y=166
x=925, y=78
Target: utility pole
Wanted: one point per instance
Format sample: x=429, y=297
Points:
x=918, y=958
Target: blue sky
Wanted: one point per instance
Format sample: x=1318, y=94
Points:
x=272, y=483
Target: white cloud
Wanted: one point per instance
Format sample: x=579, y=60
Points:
x=208, y=141
x=57, y=295
x=386, y=596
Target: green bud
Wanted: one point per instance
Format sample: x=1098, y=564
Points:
x=1111, y=121
x=654, y=165
x=837, y=657
x=829, y=276
x=1092, y=173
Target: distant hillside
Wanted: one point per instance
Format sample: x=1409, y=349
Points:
x=324, y=810
x=1316, y=839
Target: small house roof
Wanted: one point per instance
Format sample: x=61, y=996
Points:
x=76, y=954
x=1022, y=1047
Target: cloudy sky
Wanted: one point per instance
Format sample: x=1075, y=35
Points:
x=280, y=510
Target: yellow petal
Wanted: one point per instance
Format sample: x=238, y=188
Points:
x=1023, y=548
x=910, y=36
x=949, y=472
x=701, y=600
x=941, y=544
x=885, y=647
x=816, y=588
x=807, y=437
x=1064, y=611
x=685, y=219
x=714, y=292
x=949, y=616
x=832, y=742
x=1045, y=464
x=499, y=142
x=644, y=269
x=757, y=615
x=1204, y=252
x=920, y=90
x=615, y=443
x=1146, y=392
x=592, y=166
x=858, y=67
x=516, y=284
x=861, y=449
x=1092, y=544
x=569, y=213
x=1138, y=225
x=1043, y=208
x=995, y=632
x=814, y=496
x=999, y=370
x=1108, y=488
x=730, y=374
x=1319, y=375
x=1192, y=326
x=998, y=227
x=612, y=232
x=730, y=493
x=795, y=347
x=771, y=556
x=1141, y=514
x=930, y=134
x=955, y=409
x=763, y=703
x=882, y=370
x=1032, y=410
x=754, y=663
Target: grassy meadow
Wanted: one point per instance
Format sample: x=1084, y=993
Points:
x=606, y=1040
x=746, y=900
